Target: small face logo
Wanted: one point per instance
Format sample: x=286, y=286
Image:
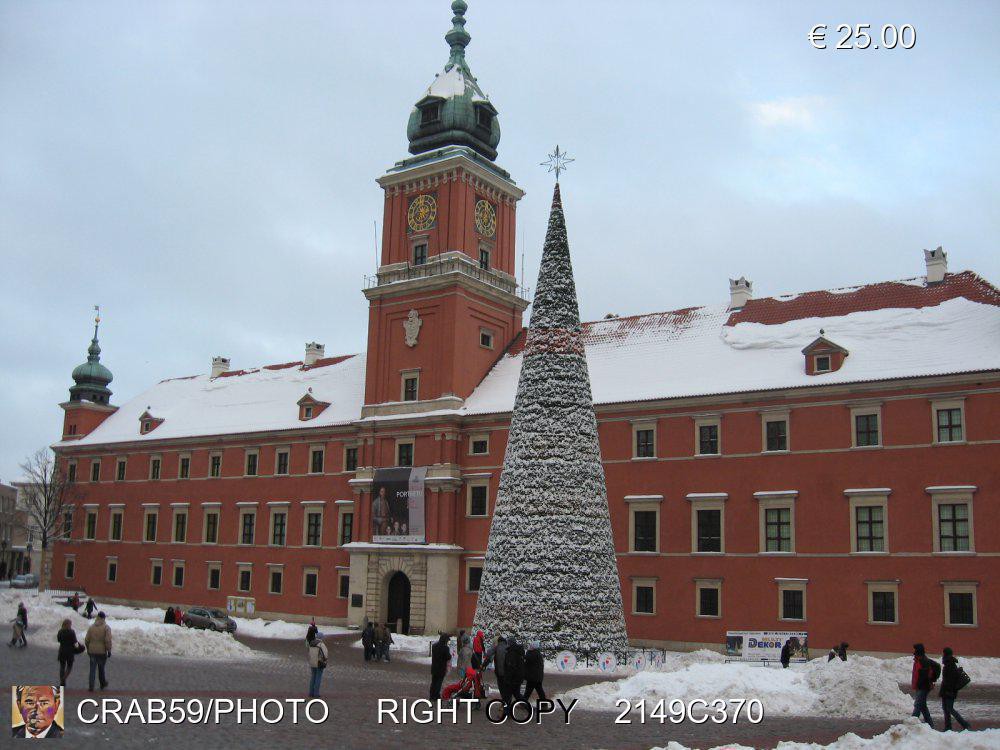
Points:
x=40, y=710
x=486, y=218
x=422, y=213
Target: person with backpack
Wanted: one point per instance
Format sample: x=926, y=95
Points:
x=319, y=655
x=513, y=668
x=440, y=658
x=953, y=679
x=534, y=672
x=925, y=673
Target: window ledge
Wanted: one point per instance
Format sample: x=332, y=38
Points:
x=777, y=553
x=468, y=516
x=644, y=458
x=950, y=442
x=643, y=553
x=960, y=626
x=709, y=617
x=707, y=455
x=644, y=614
x=956, y=553
x=867, y=447
x=710, y=554
x=870, y=554
x=874, y=622
x=792, y=619
x=773, y=453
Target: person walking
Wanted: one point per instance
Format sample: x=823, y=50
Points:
x=786, y=654
x=17, y=639
x=68, y=642
x=924, y=675
x=319, y=655
x=478, y=650
x=74, y=602
x=88, y=611
x=368, y=641
x=98, y=644
x=464, y=656
x=384, y=641
x=440, y=657
x=497, y=655
x=513, y=668
x=22, y=613
x=534, y=672
x=953, y=679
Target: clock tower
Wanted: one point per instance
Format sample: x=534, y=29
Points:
x=445, y=302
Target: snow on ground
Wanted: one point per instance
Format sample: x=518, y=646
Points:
x=854, y=689
x=131, y=635
x=911, y=735
x=411, y=644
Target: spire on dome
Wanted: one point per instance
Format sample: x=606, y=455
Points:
x=454, y=111
x=91, y=378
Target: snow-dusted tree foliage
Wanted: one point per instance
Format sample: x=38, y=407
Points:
x=550, y=572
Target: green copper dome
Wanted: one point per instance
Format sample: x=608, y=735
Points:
x=91, y=378
x=454, y=111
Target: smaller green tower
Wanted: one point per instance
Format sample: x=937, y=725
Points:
x=455, y=111
x=91, y=378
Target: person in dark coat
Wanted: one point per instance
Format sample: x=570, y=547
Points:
x=368, y=641
x=88, y=611
x=838, y=652
x=440, y=658
x=168, y=617
x=496, y=655
x=786, y=654
x=311, y=632
x=67, y=640
x=949, y=690
x=921, y=680
x=534, y=672
x=22, y=613
x=513, y=667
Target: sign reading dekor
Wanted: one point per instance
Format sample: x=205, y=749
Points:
x=766, y=645
x=398, y=505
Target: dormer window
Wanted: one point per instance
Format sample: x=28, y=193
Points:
x=823, y=356
x=484, y=118
x=430, y=113
x=148, y=423
x=307, y=412
x=310, y=407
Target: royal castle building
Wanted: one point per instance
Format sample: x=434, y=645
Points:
x=827, y=461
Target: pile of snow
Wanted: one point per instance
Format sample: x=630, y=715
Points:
x=133, y=636
x=851, y=689
x=911, y=735
x=982, y=670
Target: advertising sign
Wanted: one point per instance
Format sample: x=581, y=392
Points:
x=398, y=505
x=607, y=661
x=766, y=645
x=565, y=661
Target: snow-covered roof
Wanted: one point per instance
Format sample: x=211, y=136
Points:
x=240, y=401
x=892, y=330
x=453, y=82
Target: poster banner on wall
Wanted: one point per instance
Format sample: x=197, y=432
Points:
x=398, y=505
x=766, y=645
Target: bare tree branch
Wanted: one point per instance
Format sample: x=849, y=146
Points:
x=47, y=493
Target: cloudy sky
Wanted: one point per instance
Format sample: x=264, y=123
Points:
x=205, y=170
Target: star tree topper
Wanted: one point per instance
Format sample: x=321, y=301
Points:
x=557, y=162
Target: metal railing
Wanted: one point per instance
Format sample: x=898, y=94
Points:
x=441, y=266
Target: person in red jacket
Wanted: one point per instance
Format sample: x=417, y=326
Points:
x=178, y=616
x=478, y=649
x=921, y=681
x=469, y=686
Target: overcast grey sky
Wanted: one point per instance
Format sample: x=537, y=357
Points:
x=205, y=170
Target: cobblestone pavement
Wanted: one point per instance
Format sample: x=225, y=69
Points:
x=351, y=689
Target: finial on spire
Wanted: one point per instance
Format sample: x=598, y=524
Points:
x=557, y=162
x=458, y=38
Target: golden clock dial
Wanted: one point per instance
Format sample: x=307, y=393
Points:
x=422, y=213
x=486, y=218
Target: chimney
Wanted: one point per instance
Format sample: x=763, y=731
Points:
x=314, y=352
x=937, y=265
x=219, y=366
x=740, y=292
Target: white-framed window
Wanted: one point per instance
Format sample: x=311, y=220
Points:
x=180, y=525
x=473, y=575
x=312, y=526
x=210, y=525
x=420, y=252
x=278, y=536
x=215, y=465
x=774, y=431
x=116, y=527
x=214, y=576
x=643, y=440
x=708, y=522
x=71, y=472
x=184, y=466
x=150, y=520
x=95, y=470
x=90, y=525
x=244, y=577
x=343, y=584
x=644, y=596
x=951, y=518
x=404, y=452
x=961, y=608
x=479, y=445
x=251, y=462
x=409, y=387
x=248, y=526
x=866, y=426
x=708, y=597
x=275, y=579
x=948, y=421
x=776, y=512
x=644, y=523
x=486, y=338
x=822, y=363
x=112, y=571
x=310, y=581
x=317, y=458
x=70, y=571
x=345, y=524
x=708, y=435
x=869, y=509
x=281, y=460
x=156, y=572
x=350, y=458
x=883, y=602
x=155, y=464
x=478, y=498
x=120, y=466
x=792, y=599
x=178, y=574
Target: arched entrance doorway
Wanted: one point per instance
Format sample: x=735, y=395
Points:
x=399, y=603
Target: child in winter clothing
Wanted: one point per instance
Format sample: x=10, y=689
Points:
x=470, y=686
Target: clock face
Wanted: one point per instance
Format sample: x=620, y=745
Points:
x=486, y=218
x=422, y=213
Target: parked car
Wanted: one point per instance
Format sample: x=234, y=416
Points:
x=209, y=619
x=24, y=581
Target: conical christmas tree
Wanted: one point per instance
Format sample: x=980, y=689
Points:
x=550, y=573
